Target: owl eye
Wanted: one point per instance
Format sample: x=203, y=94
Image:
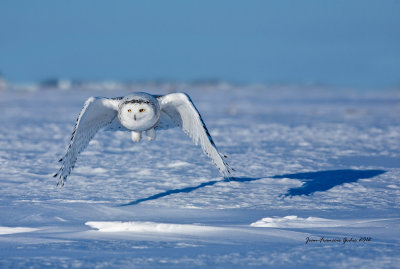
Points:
x=129, y=110
x=142, y=110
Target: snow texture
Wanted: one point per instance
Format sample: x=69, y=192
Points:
x=317, y=182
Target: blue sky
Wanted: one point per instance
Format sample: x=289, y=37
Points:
x=342, y=43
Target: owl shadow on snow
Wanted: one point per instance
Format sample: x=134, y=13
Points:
x=312, y=182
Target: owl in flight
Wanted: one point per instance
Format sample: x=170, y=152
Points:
x=141, y=114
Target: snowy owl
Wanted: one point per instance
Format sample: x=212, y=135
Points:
x=139, y=113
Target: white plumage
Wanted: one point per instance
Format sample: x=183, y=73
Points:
x=139, y=112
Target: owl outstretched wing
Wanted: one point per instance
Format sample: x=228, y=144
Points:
x=177, y=109
x=96, y=113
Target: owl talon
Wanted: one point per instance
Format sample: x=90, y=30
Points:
x=151, y=134
x=136, y=136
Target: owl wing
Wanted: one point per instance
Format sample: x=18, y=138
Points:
x=177, y=109
x=97, y=112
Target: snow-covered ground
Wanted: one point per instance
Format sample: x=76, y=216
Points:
x=317, y=183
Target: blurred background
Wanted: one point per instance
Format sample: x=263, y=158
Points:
x=337, y=43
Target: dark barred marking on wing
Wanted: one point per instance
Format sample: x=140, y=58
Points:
x=209, y=154
x=69, y=159
x=202, y=122
x=176, y=106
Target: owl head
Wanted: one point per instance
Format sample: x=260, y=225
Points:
x=139, y=112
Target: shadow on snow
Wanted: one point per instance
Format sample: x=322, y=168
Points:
x=313, y=181
x=325, y=180
x=188, y=189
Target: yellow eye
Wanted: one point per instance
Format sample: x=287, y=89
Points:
x=142, y=110
x=129, y=110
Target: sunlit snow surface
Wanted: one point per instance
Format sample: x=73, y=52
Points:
x=312, y=162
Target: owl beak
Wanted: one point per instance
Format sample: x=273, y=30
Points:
x=134, y=117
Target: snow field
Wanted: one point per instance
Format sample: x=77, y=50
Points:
x=162, y=204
